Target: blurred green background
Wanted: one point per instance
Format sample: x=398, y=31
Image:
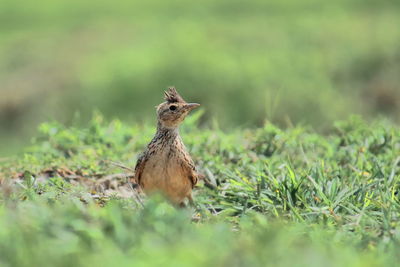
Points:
x=287, y=61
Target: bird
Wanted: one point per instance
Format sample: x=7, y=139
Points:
x=166, y=166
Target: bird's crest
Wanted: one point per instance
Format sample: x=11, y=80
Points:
x=172, y=96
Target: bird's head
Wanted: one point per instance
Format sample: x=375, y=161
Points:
x=172, y=112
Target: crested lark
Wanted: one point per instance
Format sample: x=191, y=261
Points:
x=166, y=166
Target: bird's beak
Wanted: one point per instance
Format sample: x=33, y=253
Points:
x=191, y=106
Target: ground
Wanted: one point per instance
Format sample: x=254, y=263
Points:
x=290, y=197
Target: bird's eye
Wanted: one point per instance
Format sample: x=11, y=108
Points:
x=172, y=107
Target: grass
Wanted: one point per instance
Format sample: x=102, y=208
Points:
x=285, y=198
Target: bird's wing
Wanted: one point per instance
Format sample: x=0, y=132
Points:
x=190, y=169
x=140, y=164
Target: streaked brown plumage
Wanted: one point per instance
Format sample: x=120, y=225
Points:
x=166, y=166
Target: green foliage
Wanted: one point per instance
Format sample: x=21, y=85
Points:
x=310, y=61
x=284, y=198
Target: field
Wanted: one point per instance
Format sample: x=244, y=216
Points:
x=288, y=197
x=310, y=61
x=298, y=134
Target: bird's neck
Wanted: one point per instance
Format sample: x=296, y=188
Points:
x=166, y=132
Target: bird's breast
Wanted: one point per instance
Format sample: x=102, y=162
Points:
x=164, y=172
